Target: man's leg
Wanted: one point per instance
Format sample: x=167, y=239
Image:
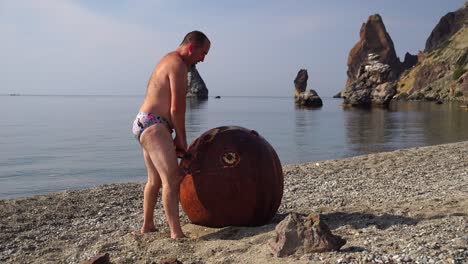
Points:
x=150, y=195
x=158, y=143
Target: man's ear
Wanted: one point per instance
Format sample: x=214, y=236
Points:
x=190, y=48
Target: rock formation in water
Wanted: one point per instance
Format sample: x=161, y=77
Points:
x=337, y=95
x=373, y=66
x=302, y=97
x=196, y=87
x=374, y=84
x=439, y=74
x=373, y=39
x=300, y=83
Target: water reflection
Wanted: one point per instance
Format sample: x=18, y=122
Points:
x=329, y=132
x=307, y=108
x=86, y=152
x=194, y=103
x=195, y=117
x=402, y=125
x=365, y=129
x=318, y=133
x=441, y=123
x=303, y=130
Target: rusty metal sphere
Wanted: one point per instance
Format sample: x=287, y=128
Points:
x=234, y=178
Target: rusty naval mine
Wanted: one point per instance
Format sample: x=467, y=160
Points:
x=233, y=178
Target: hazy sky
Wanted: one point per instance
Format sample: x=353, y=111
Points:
x=112, y=46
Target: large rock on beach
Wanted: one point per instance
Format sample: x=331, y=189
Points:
x=234, y=178
x=102, y=258
x=196, y=87
x=303, y=97
x=297, y=233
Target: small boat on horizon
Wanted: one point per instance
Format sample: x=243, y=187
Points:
x=14, y=94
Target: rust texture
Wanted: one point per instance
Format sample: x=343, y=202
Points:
x=234, y=178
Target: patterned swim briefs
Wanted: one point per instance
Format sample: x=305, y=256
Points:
x=145, y=120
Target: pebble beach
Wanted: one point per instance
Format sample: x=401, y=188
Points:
x=403, y=206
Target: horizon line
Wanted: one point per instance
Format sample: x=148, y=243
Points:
x=135, y=95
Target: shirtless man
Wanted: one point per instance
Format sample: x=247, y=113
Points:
x=163, y=109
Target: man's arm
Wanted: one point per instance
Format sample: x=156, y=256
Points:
x=178, y=86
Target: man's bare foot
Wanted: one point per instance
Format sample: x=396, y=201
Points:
x=145, y=230
x=178, y=236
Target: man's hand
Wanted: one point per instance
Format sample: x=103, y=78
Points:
x=180, y=153
x=181, y=146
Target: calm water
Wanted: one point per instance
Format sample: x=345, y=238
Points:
x=55, y=143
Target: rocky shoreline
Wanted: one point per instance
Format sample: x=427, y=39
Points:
x=409, y=205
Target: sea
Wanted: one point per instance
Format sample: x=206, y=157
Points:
x=52, y=143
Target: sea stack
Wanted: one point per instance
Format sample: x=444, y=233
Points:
x=302, y=97
x=374, y=39
x=373, y=66
x=196, y=87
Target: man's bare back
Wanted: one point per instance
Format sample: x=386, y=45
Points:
x=158, y=94
x=163, y=108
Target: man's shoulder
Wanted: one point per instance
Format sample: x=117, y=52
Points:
x=173, y=62
x=173, y=58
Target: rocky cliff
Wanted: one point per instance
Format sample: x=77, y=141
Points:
x=448, y=25
x=440, y=73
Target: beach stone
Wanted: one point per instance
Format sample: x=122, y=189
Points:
x=102, y=258
x=298, y=233
x=460, y=243
x=169, y=261
x=233, y=178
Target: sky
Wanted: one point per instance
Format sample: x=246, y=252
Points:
x=110, y=47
